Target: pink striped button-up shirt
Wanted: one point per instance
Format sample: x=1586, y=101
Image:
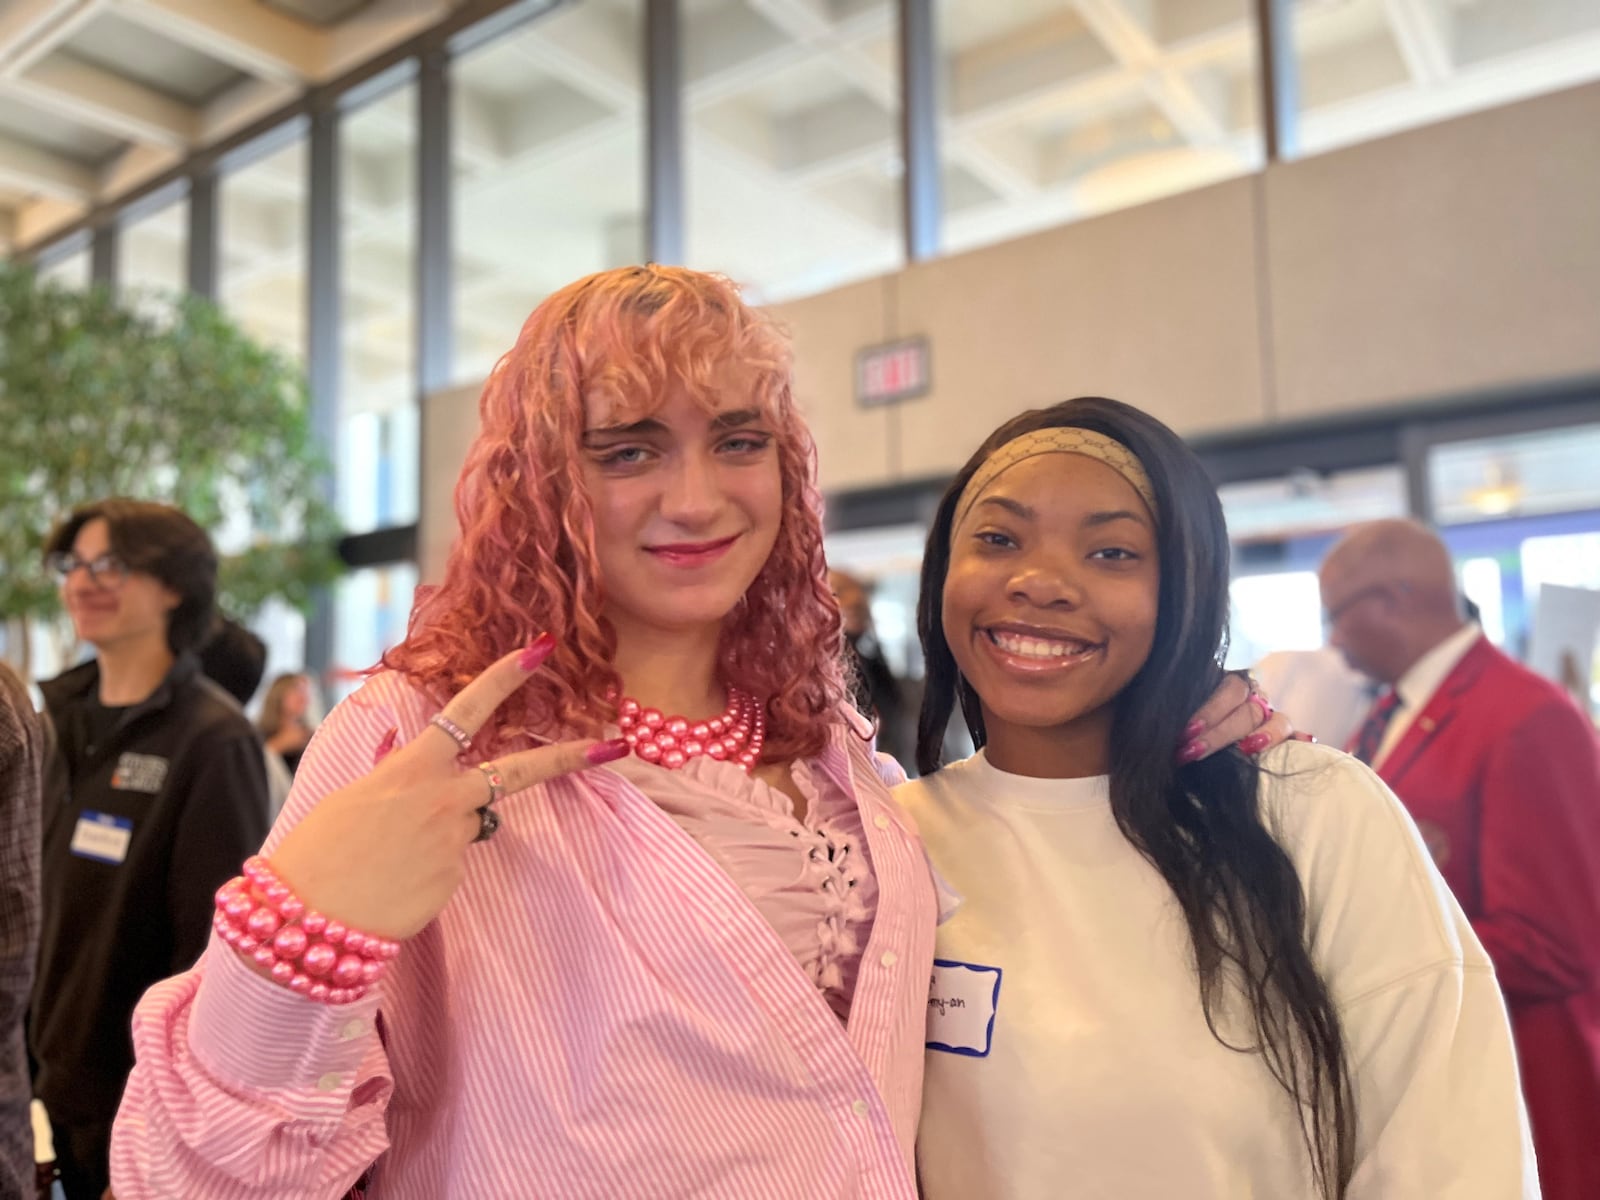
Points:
x=599, y=1012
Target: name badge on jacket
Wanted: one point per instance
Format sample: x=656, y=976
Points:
x=102, y=837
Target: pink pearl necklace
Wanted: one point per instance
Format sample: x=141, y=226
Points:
x=736, y=735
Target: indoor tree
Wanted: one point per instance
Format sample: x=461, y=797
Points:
x=170, y=402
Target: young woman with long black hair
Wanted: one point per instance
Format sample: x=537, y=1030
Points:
x=1209, y=979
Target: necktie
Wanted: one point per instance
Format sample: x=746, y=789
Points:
x=1370, y=736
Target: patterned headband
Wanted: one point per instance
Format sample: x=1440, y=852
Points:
x=1059, y=440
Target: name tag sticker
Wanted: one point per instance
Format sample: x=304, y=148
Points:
x=102, y=837
x=962, y=1001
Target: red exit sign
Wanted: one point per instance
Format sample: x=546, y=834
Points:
x=892, y=372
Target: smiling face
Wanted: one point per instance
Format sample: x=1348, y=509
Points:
x=109, y=614
x=687, y=504
x=1050, y=607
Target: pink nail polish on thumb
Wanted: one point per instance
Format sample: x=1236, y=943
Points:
x=604, y=752
x=385, y=745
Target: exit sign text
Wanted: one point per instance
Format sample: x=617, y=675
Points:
x=892, y=372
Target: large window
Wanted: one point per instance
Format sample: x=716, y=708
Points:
x=548, y=168
x=378, y=412
x=1053, y=110
x=1522, y=511
x=1281, y=529
x=262, y=244
x=1372, y=67
x=1547, y=471
x=152, y=248
x=371, y=607
x=261, y=283
x=792, y=142
x=69, y=270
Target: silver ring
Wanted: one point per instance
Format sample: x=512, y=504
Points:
x=453, y=731
x=488, y=823
x=497, y=785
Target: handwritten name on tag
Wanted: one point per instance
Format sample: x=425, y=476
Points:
x=963, y=999
x=102, y=837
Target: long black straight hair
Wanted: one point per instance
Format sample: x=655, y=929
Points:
x=1199, y=825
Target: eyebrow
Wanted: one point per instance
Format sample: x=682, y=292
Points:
x=1015, y=507
x=652, y=427
x=1095, y=520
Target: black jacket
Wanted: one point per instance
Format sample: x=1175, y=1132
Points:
x=185, y=768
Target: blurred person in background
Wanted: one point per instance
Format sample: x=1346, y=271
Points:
x=1502, y=774
x=875, y=690
x=22, y=749
x=153, y=793
x=236, y=658
x=1320, y=691
x=285, y=721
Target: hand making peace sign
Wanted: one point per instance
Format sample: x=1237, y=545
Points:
x=385, y=854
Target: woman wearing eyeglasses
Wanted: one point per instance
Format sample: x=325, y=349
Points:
x=155, y=791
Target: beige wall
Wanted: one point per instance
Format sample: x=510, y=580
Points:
x=449, y=423
x=1454, y=258
x=1459, y=257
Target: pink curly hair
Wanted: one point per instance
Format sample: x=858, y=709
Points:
x=525, y=561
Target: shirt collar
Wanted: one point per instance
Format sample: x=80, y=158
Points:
x=1417, y=686
x=80, y=683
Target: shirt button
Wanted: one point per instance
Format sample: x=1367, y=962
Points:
x=352, y=1030
x=861, y=1108
x=881, y=821
x=330, y=1082
x=889, y=958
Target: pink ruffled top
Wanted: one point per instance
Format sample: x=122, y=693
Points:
x=811, y=879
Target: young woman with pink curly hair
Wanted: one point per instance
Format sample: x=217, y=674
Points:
x=689, y=958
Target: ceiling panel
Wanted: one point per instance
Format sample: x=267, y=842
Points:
x=71, y=139
x=138, y=53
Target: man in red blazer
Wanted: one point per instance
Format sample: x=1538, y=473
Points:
x=1502, y=775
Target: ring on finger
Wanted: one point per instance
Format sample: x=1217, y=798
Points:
x=452, y=731
x=497, y=783
x=1262, y=703
x=488, y=823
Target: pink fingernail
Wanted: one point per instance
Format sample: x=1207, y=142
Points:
x=1255, y=743
x=536, y=652
x=604, y=752
x=1194, y=728
x=1192, y=752
x=385, y=745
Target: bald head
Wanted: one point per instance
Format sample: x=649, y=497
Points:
x=1389, y=589
x=1391, y=552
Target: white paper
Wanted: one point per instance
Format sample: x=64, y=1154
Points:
x=1566, y=627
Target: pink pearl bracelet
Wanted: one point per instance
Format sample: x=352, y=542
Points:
x=305, y=951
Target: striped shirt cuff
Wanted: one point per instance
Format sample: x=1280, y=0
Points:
x=253, y=1033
